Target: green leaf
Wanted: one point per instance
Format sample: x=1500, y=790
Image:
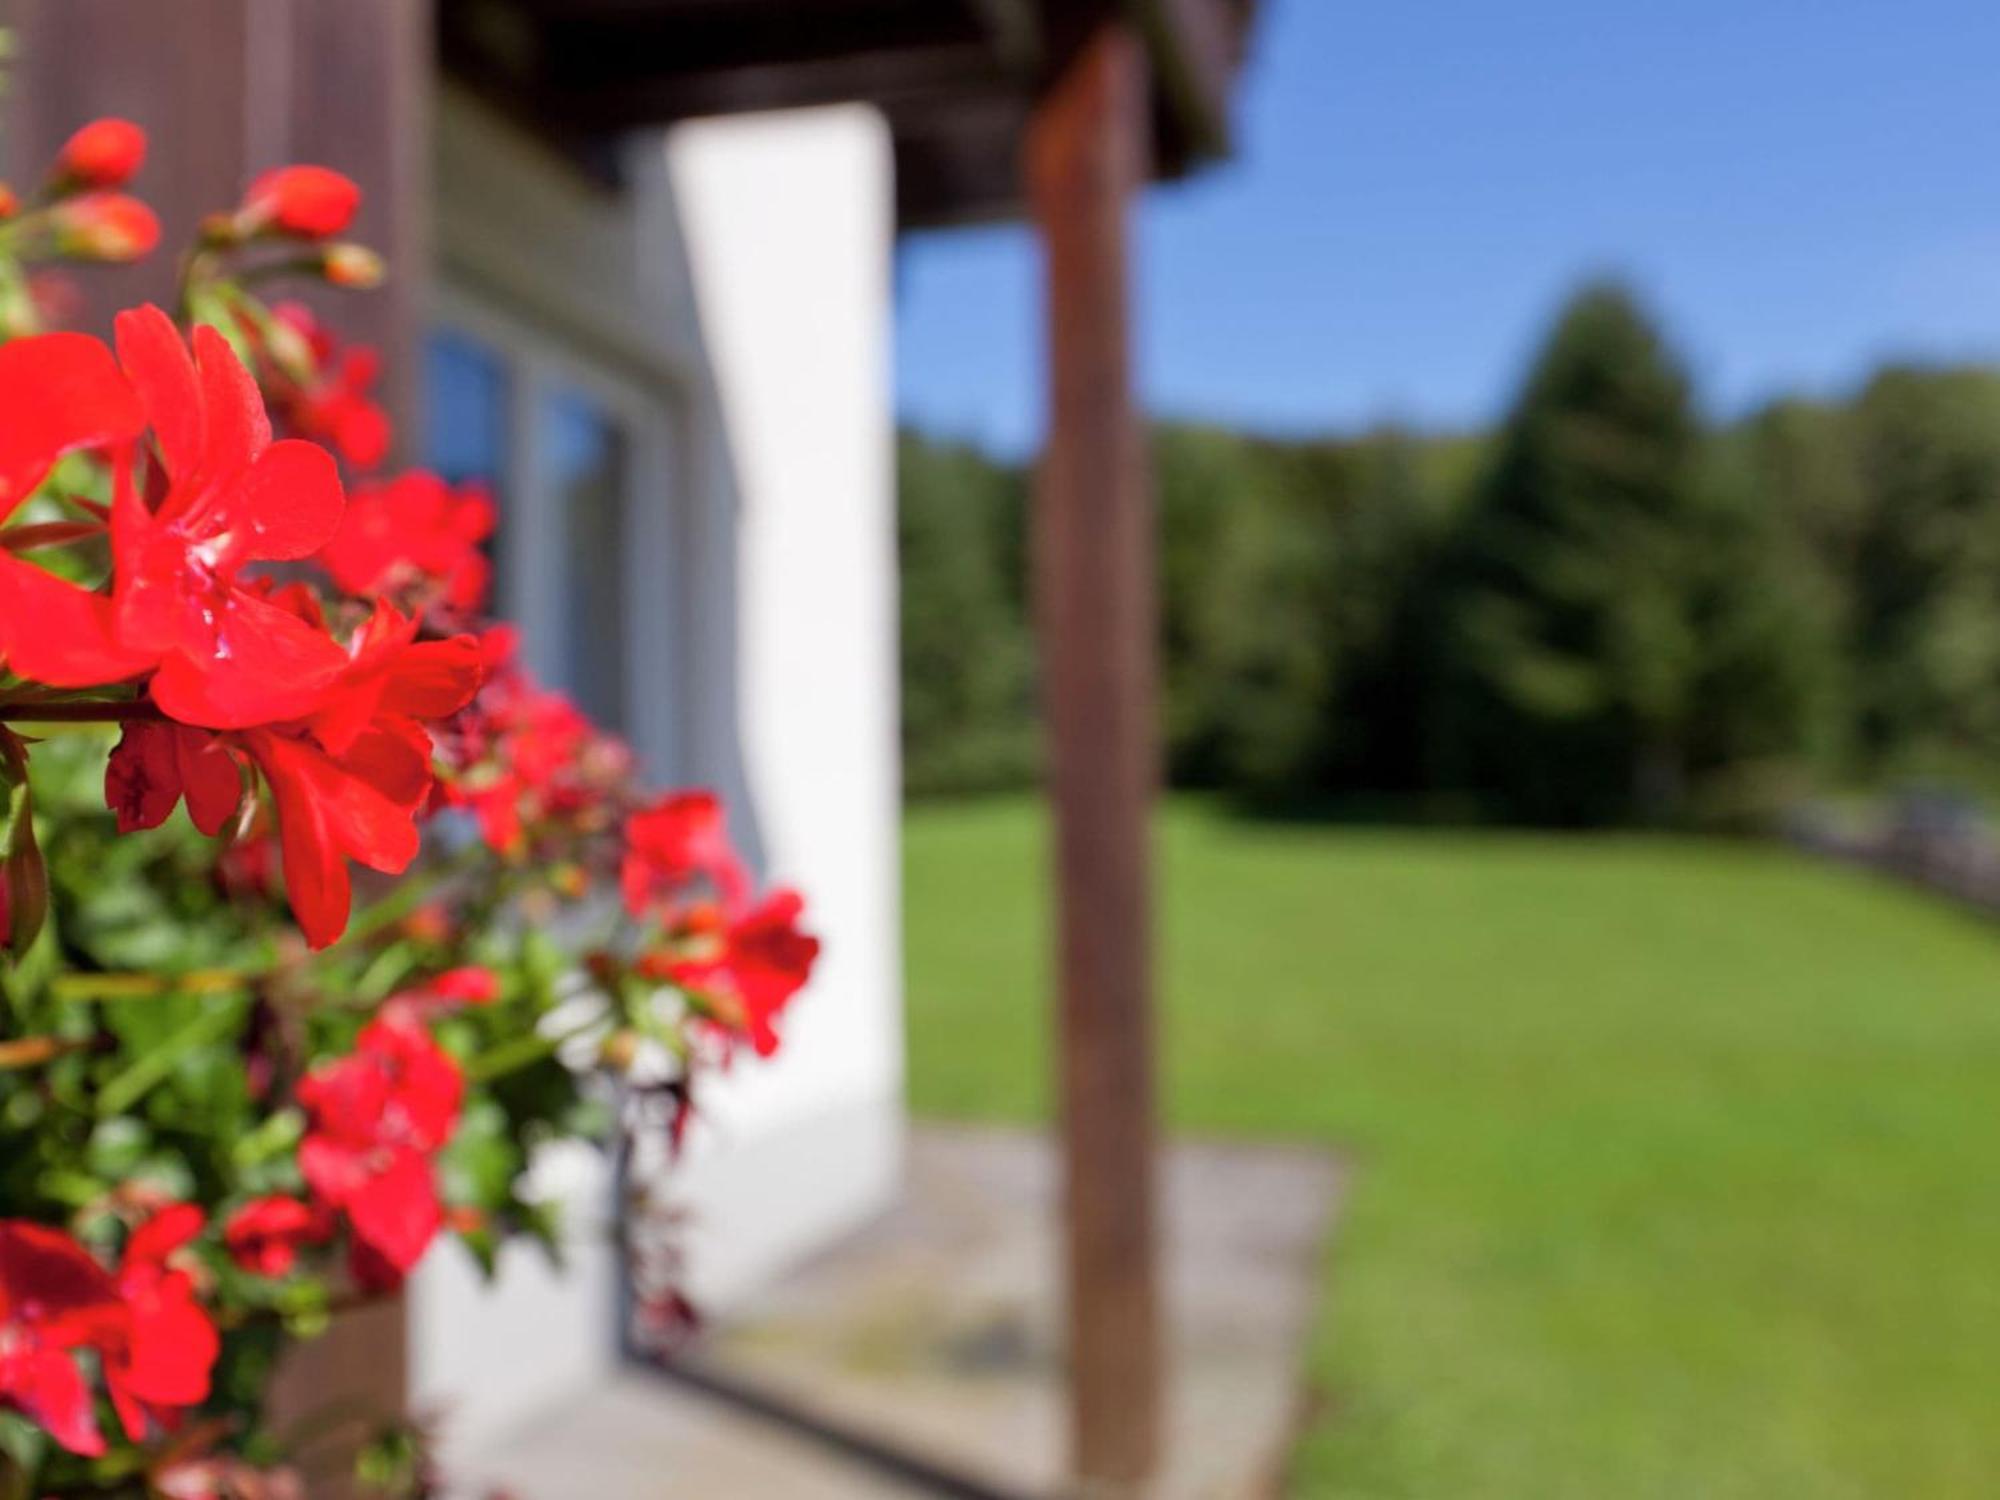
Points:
x=151, y=1068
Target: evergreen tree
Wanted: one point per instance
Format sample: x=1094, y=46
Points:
x=1572, y=631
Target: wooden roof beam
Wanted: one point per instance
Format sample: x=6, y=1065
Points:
x=1193, y=46
x=894, y=79
x=1016, y=29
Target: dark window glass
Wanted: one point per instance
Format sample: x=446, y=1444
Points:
x=466, y=398
x=586, y=462
x=466, y=395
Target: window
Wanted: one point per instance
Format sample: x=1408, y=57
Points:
x=578, y=461
x=585, y=472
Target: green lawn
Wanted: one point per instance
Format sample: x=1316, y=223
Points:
x=1678, y=1164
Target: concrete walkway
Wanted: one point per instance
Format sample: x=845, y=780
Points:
x=924, y=1355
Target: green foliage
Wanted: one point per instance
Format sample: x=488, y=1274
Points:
x=1600, y=614
x=1925, y=567
x=178, y=1013
x=1288, y=571
x=968, y=721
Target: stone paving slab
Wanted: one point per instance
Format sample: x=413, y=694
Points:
x=934, y=1338
x=636, y=1437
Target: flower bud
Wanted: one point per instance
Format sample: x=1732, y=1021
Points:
x=10, y=202
x=24, y=880
x=620, y=1050
x=353, y=267
x=105, y=226
x=219, y=232
x=104, y=154
x=290, y=348
x=308, y=203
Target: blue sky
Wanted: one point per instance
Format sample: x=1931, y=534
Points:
x=1799, y=187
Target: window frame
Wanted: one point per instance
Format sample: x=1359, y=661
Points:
x=650, y=410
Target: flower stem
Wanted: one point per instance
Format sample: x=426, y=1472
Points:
x=524, y=1051
x=48, y=534
x=81, y=713
x=137, y=986
x=411, y=893
x=33, y=1051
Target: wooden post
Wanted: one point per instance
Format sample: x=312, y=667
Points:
x=1094, y=587
x=226, y=89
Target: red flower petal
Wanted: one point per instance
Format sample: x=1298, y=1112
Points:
x=236, y=428
x=471, y=984
x=165, y=1232
x=57, y=634
x=290, y=501
x=264, y=1235
x=396, y=1211
x=155, y=765
x=210, y=779
x=60, y=392
x=268, y=666
x=47, y=1268
x=159, y=366
x=142, y=781
x=361, y=806
x=47, y=1386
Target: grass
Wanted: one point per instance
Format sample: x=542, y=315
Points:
x=1678, y=1163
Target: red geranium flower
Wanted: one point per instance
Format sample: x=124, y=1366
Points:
x=165, y=1362
x=347, y=782
x=472, y=984
x=524, y=758
x=227, y=496
x=156, y=764
x=54, y=1300
x=105, y=153
x=228, y=657
x=447, y=992
x=375, y=1118
x=265, y=1235
x=393, y=681
x=413, y=536
x=324, y=393
x=679, y=839
x=309, y=202
x=359, y=805
x=351, y=786
x=762, y=961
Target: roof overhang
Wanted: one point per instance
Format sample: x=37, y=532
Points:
x=956, y=79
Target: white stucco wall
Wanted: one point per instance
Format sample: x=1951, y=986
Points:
x=788, y=221
x=757, y=254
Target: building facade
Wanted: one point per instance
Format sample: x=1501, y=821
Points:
x=678, y=389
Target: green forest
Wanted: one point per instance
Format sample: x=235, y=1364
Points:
x=1607, y=611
